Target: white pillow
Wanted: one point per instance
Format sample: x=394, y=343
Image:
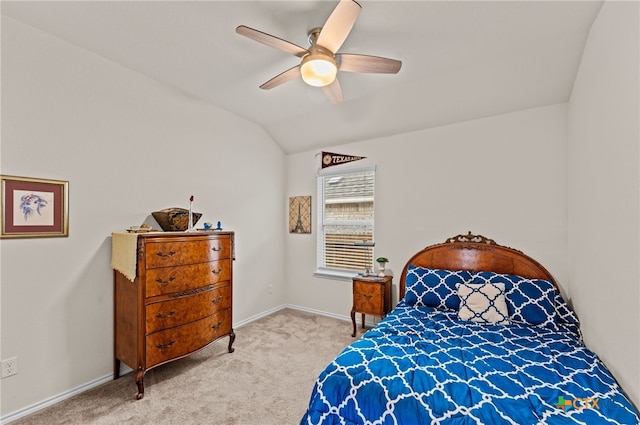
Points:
x=483, y=303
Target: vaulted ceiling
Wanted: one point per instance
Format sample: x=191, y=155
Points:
x=461, y=59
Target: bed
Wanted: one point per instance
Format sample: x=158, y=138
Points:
x=481, y=335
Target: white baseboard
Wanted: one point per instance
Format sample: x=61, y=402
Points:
x=241, y=323
x=318, y=312
x=368, y=320
x=125, y=369
x=55, y=399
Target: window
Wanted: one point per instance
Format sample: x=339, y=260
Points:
x=345, y=221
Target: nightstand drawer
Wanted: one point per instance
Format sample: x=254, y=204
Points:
x=368, y=298
x=371, y=295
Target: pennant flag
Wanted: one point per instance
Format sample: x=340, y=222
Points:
x=329, y=159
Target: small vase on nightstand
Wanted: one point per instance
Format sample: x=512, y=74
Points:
x=382, y=261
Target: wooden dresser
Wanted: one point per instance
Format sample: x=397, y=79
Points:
x=179, y=302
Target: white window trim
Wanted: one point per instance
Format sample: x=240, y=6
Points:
x=333, y=274
x=323, y=272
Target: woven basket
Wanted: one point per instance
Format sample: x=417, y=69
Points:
x=175, y=219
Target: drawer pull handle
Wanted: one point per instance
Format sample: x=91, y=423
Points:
x=167, y=345
x=217, y=271
x=218, y=325
x=165, y=282
x=367, y=296
x=217, y=300
x=167, y=255
x=165, y=316
x=218, y=249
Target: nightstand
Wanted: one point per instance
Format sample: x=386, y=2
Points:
x=371, y=295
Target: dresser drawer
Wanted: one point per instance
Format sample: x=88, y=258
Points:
x=179, y=341
x=163, y=254
x=367, y=297
x=178, y=311
x=167, y=280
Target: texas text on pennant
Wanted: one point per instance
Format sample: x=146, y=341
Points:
x=329, y=159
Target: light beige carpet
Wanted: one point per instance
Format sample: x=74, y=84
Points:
x=266, y=381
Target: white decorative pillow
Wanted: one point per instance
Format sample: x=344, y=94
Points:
x=483, y=303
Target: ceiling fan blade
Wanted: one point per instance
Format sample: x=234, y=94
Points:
x=365, y=63
x=272, y=41
x=282, y=78
x=334, y=92
x=338, y=25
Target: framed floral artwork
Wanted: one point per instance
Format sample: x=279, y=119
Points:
x=34, y=208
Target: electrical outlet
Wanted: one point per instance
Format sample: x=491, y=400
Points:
x=9, y=367
x=270, y=289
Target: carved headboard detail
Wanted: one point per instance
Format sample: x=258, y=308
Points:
x=475, y=253
x=471, y=238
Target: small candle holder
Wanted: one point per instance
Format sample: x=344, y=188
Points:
x=191, y=227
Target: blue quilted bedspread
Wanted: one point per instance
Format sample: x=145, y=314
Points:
x=424, y=366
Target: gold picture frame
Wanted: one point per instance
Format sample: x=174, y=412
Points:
x=300, y=214
x=34, y=208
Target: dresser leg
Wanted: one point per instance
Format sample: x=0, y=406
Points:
x=362, y=320
x=232, y=338
x=140, y=383
x=116, y=368
x=353, y=320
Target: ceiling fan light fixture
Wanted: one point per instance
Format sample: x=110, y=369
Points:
x=318, y=69
x=319, y=64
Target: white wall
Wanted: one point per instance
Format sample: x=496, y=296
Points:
x=128, y=146
x=503, y=177
x=604, y=137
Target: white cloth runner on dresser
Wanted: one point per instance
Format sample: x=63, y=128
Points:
x=124, y=253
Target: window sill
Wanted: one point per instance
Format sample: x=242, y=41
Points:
x=335, y=275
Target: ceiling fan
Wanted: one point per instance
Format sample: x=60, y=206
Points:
x=320, y=62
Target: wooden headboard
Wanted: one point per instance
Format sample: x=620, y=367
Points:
x=475, y=253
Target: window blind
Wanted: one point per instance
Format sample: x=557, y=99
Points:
x=346, y=217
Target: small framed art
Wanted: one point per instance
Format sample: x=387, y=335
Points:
x=34, y=208
x=300, y=214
